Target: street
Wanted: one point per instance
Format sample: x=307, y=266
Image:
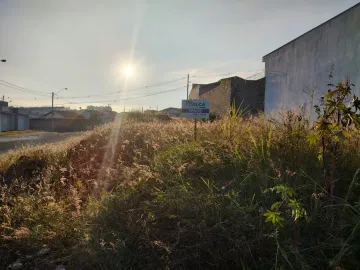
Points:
x=8, y=142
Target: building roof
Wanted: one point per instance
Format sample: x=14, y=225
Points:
x=204, y=88
x=67, y=114
x=3, y=103
x=357, y=5
x=171, y=109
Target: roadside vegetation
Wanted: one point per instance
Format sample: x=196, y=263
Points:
x=18, y=132
x=256, y=193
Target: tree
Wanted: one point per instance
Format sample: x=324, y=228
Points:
x=337, y=115
x=99, y=108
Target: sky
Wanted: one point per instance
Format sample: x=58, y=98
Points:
x=86, y=46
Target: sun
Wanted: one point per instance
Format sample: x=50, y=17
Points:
x=128, y=70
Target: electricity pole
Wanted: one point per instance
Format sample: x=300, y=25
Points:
x=52, y=111
x=52, y=106
x=187, y=88
x=3, y=60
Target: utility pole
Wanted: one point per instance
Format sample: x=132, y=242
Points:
x=52, y=106
x=52, y=111
x=3, y=98
x=187, y=88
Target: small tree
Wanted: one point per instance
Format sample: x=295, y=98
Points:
x=337, y=114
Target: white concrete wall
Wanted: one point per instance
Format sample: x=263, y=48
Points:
x=85, y=114
x=305, y=62
x=22, y=122
x=6, y=122
x=14, y=122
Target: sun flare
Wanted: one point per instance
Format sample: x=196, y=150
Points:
x=128, y=70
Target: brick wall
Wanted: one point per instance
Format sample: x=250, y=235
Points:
x=219, y=97
x=194, y=93
x=249, y=94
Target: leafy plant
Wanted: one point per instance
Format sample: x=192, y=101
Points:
x=337, y=114
x=290, y=203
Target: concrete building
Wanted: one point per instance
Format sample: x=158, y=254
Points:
x=64, y=121
x=222, y=94
x=64, y=115
x=171, y=111
x=38, y=112
x=106, y=116
x=12, y=118
x=304, y=63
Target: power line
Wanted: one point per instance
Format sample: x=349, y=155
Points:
x=23, y=90
x=161, y=83
x=256, y=74
x=154, y=94
x=211, y=75
x=134, y=89
x=61, y=97
x=44, y=94
x=91, y=102
x=225, y=74
x=17, y=87
x=123, y=99
x=127, y=93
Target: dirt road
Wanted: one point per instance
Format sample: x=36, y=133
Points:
x=8, y=142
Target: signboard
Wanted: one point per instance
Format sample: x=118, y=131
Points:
x=195, y=109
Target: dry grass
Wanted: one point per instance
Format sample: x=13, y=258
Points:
x=139, y=195
x=18, y=132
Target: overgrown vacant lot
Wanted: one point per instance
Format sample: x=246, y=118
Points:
x=248, y=194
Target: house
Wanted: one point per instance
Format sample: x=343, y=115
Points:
x=174, y=112
x=12, y=118
x=105, y=116
x=304, y=64
x=86, y=114
x=223, y=94
x=63, y=121
x=38, y=112
x=64, y=115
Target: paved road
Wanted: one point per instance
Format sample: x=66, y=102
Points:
x=8, y=142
